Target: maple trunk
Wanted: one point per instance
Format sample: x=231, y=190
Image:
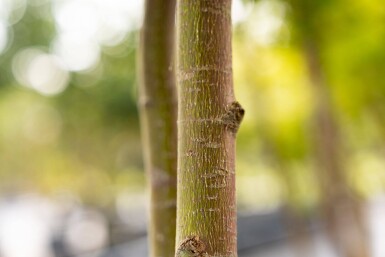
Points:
x=208, y=120
x=158, y=113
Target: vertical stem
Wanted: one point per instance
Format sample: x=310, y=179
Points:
x=208, y=119
x=158, y=111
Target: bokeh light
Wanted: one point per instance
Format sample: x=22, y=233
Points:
x=12, y=11
x=267, y=21
x=40, y=71
x=25, y=227
x=86, y=231
x=3, y=36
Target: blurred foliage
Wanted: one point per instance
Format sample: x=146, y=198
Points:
x=85, y=140
x=272, y=81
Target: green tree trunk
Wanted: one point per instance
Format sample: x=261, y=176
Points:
x=158, y=111
x=208, y=120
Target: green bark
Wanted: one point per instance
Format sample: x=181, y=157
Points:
x=208, y=119
x=158, y=111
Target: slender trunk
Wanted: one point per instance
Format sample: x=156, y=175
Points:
x=342, y=211
x=208, y=119
x=158, y=111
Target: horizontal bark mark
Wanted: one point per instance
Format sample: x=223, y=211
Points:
x=188, y=74
x=218, y=172
x=219, y=186
x=217, y=11
x=213, y=197
x=202, y=120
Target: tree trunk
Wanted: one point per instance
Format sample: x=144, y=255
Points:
x=208, y=120
x=158, y=111
x=342, y=211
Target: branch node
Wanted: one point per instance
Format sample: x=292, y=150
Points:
x=233, y=116
x=192, y=246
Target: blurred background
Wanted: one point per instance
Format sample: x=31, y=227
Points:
x=310, y=151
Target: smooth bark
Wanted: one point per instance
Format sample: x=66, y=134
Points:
x=158, y=112
x=208, y=119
